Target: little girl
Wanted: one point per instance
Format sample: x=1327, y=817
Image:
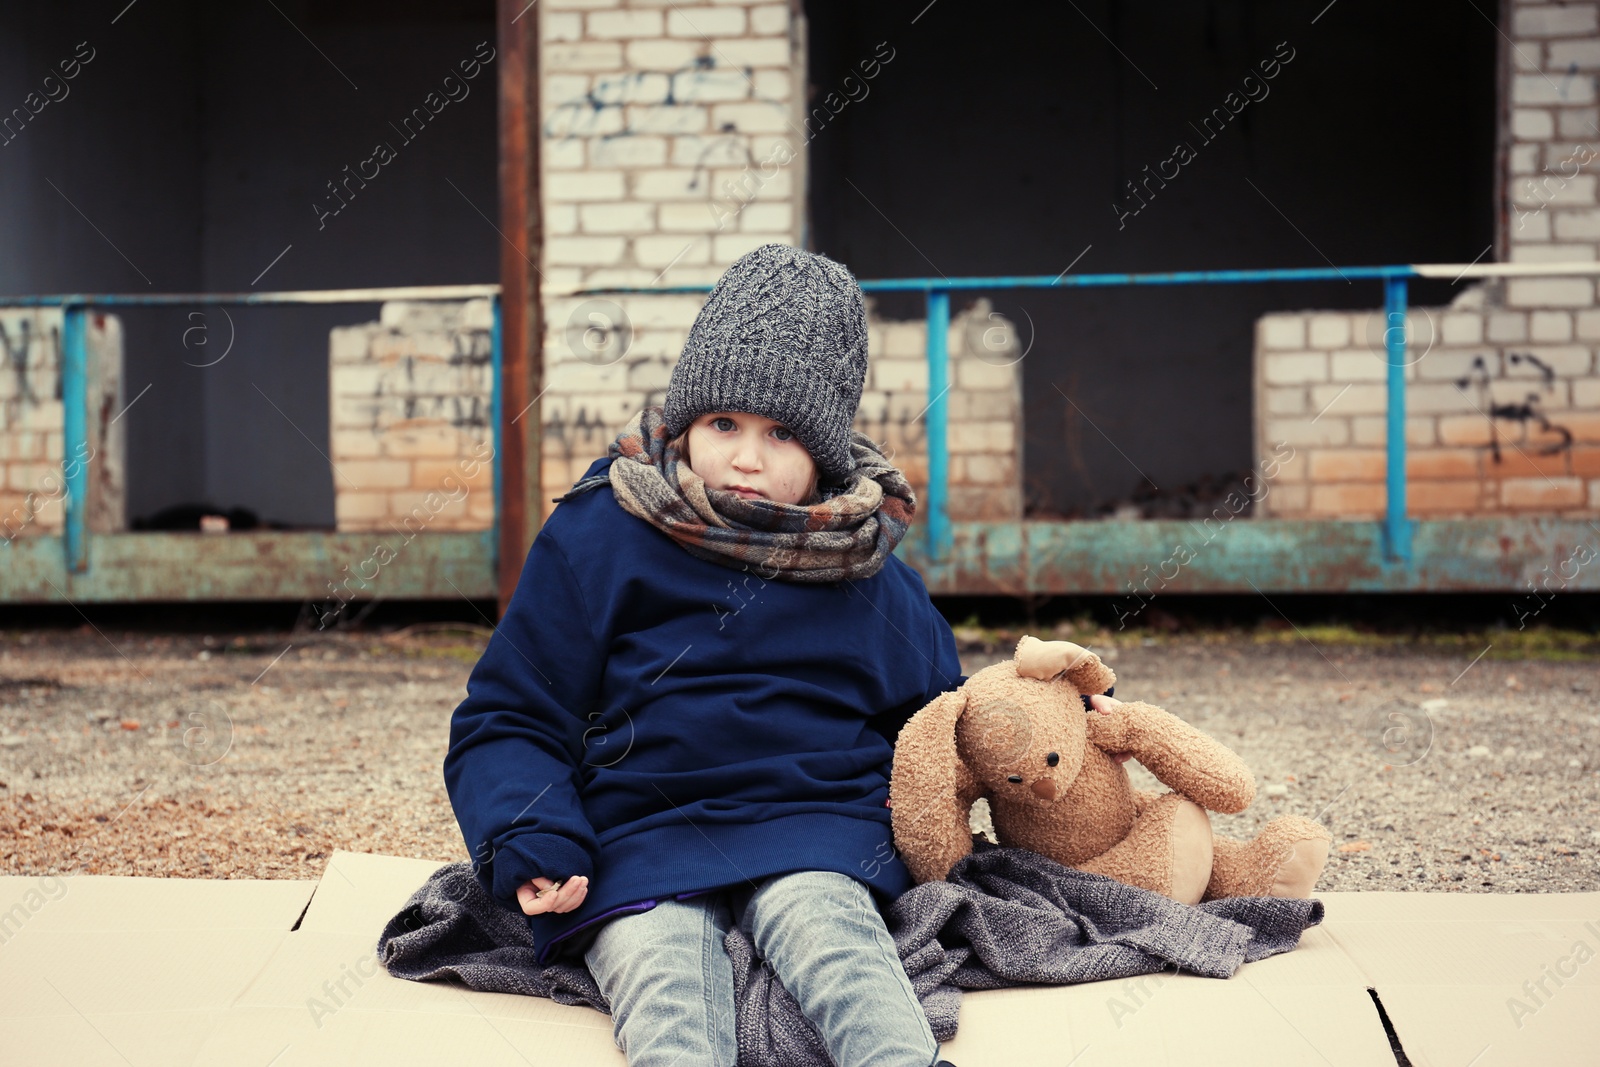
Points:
x=686, y=718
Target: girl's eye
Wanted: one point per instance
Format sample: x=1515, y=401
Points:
x=783, y=430
x=719, y=420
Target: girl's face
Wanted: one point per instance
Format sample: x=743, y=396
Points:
x=750, y=454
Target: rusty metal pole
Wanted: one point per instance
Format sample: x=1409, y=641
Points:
x=522, y=366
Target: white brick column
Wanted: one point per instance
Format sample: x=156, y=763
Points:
x=673, y=143
x=1551, y=211
x=33, y=461
x=409, y=401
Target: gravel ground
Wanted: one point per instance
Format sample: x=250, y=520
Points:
x=254, y=756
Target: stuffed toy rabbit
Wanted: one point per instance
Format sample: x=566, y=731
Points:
x=1018, y=733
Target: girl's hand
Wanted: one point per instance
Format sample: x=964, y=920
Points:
x=1103, y=704
x=541, y=894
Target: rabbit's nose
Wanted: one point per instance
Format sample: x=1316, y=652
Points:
x=1044, y=788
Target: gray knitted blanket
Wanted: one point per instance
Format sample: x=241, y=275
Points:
x=1004, y=917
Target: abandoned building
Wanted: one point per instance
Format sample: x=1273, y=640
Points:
x=384, y=202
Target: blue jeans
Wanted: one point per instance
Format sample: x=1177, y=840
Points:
x=670, y=982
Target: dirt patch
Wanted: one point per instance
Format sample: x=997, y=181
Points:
x=1438, y=765
x=219, y=757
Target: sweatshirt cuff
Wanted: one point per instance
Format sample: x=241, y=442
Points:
x=532, y=856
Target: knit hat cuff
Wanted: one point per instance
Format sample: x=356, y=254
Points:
x=767, y=387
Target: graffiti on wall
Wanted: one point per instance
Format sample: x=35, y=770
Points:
x=31, y=421
x=1526, y=413
x=585, y=435
x=600, y=112
x=15, y=349
x=908, y=430
x=455, y=390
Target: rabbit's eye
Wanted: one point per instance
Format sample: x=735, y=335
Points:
x=1013, y=777
x=1052, y=759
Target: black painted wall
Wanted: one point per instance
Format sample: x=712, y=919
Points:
x=98, y=193
x=999, y=137
x=197, y=141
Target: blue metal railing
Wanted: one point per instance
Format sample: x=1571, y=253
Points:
x=76, y=308
x=75, y=432
x=1397, y=527
x=937, y=291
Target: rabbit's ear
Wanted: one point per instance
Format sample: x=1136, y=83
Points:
x=1047, y=659
x=930, y=824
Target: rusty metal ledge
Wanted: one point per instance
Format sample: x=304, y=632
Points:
x=251, y=566
x=1501, y=555
x=1260, y=555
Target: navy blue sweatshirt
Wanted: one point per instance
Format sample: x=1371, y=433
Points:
x=670, y=726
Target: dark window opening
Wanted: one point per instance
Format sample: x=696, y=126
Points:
x=1011, y=140
x=191, y=155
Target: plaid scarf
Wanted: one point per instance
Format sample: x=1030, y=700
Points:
x=849, y=533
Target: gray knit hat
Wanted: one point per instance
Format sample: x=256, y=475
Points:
x=783, y=334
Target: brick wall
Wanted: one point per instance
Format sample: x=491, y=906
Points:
x=1502, y=386
x=669, y=150
x=409, y=400
x=983, y=408
x=410, y=396
x=33, y=468
x=1496, y=421
x=674, y=141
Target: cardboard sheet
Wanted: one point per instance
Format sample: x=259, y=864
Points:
x=284, y=1037
x=1480, y=979
x=162, y=971
x=98, y=969
x=359, y=892
x=106, y=902
x=324, y=998
x=1313, y=997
